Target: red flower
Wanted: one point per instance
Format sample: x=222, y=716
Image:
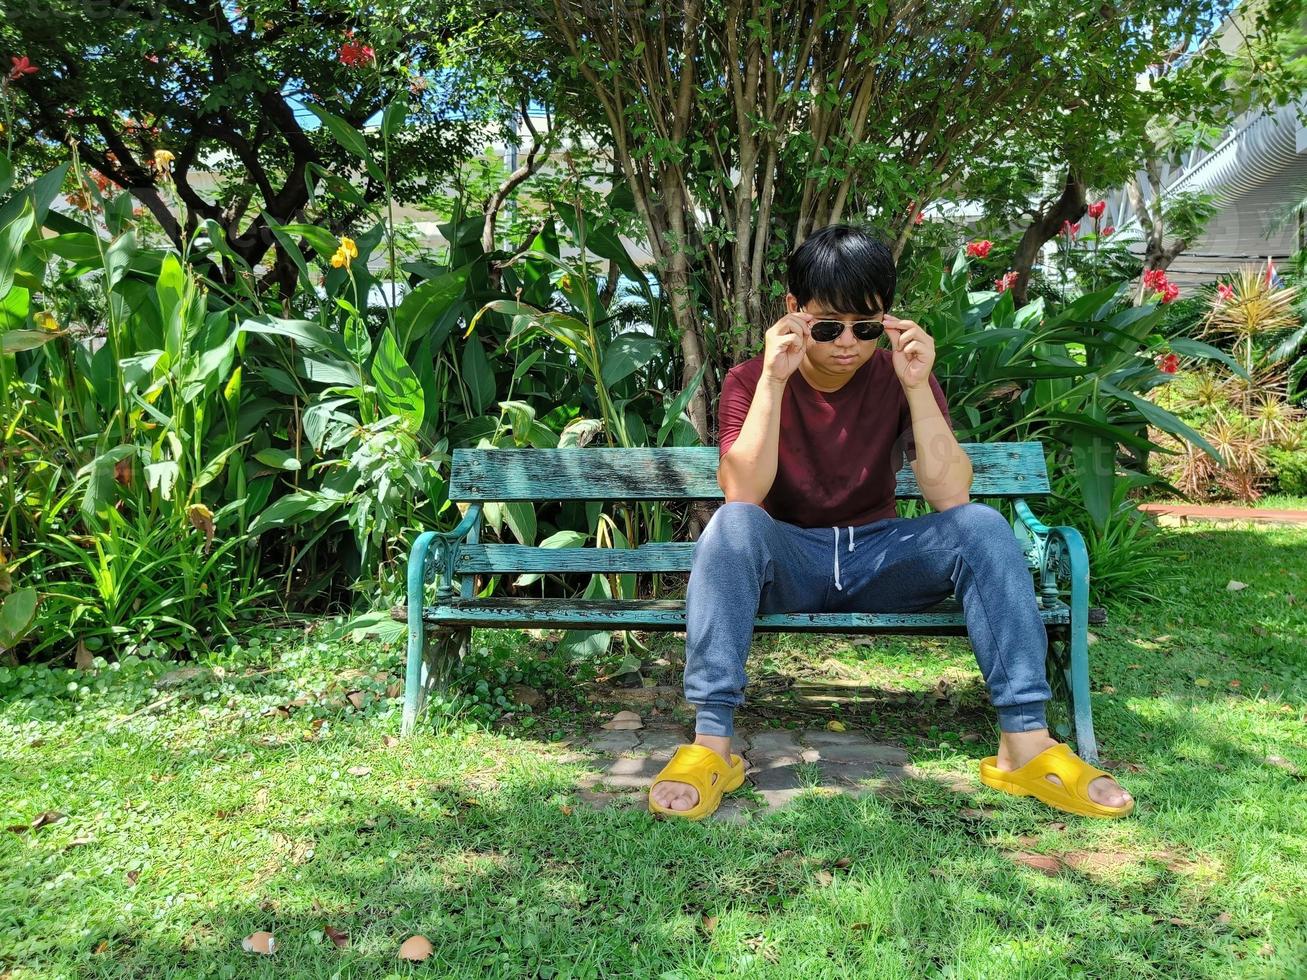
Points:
x=1169, y=292
x=1224, y=292
x=919, y=218
x=1168, y=363
x=21, y=67
x=979, y=249
x=1096, y=209
x=354, y=54
x=1005, y=282
x=1108, y=230
x=1155, y=279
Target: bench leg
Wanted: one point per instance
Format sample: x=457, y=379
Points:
x=433, y=654
x=1070, y=717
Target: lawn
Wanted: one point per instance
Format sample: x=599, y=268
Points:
x=272, y=794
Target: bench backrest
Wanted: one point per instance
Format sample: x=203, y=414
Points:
x=1005, y=469
x=1001, y=469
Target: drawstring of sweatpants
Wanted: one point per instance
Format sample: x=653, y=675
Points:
x=837, y=555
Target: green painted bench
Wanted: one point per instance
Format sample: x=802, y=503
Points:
x=439, y=631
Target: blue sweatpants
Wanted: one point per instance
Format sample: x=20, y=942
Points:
x=746, y=562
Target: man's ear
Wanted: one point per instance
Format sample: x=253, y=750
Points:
x=791, y=303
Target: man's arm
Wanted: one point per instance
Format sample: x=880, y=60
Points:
x=748, y=467
x=942, y=467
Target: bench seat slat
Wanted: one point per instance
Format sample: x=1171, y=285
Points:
x=669, y=615
x=657, y=557
x=1001, y=469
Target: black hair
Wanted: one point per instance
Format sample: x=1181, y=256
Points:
x=845, y=267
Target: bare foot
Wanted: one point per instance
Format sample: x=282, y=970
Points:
x=683, y=796
x=1015, y=749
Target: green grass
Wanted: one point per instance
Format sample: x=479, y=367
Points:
x=194, y=822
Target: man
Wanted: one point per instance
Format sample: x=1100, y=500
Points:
x=811, y=433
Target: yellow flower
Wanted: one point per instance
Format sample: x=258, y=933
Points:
x=565, y=282
x=163, y=161
x=347, y=251
x=45, y=321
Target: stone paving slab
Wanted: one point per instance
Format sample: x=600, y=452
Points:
x=781, y=766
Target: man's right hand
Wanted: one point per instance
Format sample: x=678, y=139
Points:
x=787, y=341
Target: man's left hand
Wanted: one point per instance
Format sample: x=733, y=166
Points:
x=913, y=351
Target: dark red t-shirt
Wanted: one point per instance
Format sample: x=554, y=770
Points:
x=839, y=451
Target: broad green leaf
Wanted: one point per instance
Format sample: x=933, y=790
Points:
x=304, y=332
x=161, y=476
x=627, y=354
x=17, y=610
x=559, y=539
x=392, y=119
x=398, y=389
x=588, y=645
x=521, y=418
x=521, y=518
x=1163, y=419
x=13, y=341
x=291, y=509
x=478, y=375
x=278, y=459
x=100, y=485
x=1095, y=462
x=12, y=234
x=1196, y=348
x=348, y=137
x=424, y=306
x=677, y=408
x=323, y=241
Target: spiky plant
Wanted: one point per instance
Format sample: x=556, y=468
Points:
x=1255, y=312
x=1275, y=419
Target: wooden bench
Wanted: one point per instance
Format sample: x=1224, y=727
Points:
x=1013, y=470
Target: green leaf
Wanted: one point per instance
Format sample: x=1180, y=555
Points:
x=627, y=354
x=1095, y=463
x=424, y=306
x=478, y=374
x=13, y=341
x=588, y=645
x=12, y=234
x=291, y=509
x=678, y=406
x=278, y=459
x=214, y=467
x=392, y=120
x=100, y=484
x=1196, y=348
x=357, y=341
x=323, y=241
x=305, y=332
x=559, y=539
x=348, y=137
x=521, y=419
x=398, y=389
x=161, y=476
x=1161, y=418
x=521, y=518
x=17, y=610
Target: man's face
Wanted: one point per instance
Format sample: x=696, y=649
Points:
x=846, y=353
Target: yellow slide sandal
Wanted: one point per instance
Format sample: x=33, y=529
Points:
x=1030, y=780
x=706, y=771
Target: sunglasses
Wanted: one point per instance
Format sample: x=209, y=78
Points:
x=825, y=331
